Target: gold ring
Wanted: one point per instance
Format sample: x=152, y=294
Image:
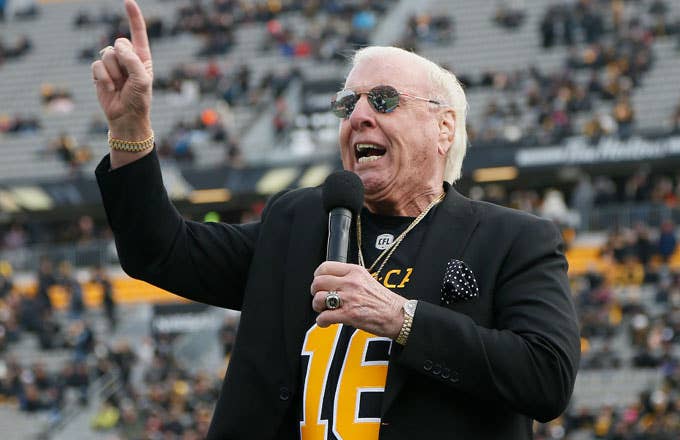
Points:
x=101, y=52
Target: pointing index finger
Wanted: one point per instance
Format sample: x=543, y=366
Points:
x=140, y=40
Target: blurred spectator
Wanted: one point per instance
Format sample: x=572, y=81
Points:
x=638, y=187
x=658, y=9
x=83, y=19
x=23, y=9
x=15, y=237
x=81, y=339
x=562, y=23
x=18, y=124
x=6, y=282
x=282, y=119
x=31, y=400
x=675, y=119
x=85, y=232
x=22, y=309
x=68, y=150
x=234, y=154
x=124, y=358
x=131, y=424
x=21, y=47
x=644, y=249
x=76, y=376
x=510, y=14
x=667, y=241
x=65, y=147
x=630, y=272
x=605, y=190
x=73, y=289
x=97, y=126
x=227, y=335
x=56, y=99
x=430, y=28
x=624, y=115
x=46, y=279
x=49, y=330
x=217, y=43
x=605, y=358
x=100, y=278
x=583, y=200
x=664, y=192
x=599, y=126
x=557, y=18
x=107, y=417
x=555, y=208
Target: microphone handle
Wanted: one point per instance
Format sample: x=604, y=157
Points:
x=339, y=222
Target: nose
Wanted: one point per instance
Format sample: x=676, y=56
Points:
x=363, y=115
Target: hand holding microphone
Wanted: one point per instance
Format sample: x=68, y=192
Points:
x=347, y=293
x=343, y=196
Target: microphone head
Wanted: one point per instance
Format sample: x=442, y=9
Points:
x=343, y=189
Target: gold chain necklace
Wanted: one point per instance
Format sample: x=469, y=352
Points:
x=388, y=251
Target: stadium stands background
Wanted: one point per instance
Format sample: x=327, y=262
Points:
x=574, y=115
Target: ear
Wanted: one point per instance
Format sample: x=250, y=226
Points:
x=447, y=129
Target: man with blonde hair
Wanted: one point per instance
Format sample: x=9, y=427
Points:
x=452, y=318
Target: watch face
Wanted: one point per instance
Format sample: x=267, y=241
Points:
x=410, y=307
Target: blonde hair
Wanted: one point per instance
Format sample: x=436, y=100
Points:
x=447, y=89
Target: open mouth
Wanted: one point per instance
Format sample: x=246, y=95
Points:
x=368, y=152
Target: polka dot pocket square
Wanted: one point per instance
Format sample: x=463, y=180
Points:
x=459, y=283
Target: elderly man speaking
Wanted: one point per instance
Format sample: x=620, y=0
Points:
x=452, y=319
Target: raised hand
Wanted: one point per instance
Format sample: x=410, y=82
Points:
x=123, y=78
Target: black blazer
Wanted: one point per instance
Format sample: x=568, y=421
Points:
x=477, y=369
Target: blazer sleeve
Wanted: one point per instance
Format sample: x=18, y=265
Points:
x=206, y=262
x=529, y=360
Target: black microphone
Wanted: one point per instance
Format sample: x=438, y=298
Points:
x=343, y=197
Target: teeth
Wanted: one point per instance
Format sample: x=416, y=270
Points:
x=360, y=147
x=368, y=159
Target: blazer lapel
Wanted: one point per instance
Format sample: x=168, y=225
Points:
x=304, y=254
x=446, y=238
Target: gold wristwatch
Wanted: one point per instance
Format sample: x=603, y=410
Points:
x=409, y=312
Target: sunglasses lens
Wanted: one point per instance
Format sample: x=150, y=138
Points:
x=343, y=104
x=384, y=98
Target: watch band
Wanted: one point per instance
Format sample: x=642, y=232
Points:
x=409, y=312
x=131, y=146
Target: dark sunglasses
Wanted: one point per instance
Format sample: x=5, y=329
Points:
x=384, y=99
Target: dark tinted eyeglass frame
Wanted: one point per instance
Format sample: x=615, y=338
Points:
x=383, y=99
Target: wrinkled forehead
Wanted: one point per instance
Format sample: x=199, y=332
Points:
x=400, y=73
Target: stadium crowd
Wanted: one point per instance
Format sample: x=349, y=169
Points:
x=23, y=232
x=155, y=395
x=613, y=302
x=612, y=42
x=630, y=311
x=215, y=22
x=570, y=204
x=623, y=325
x=33, y=315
